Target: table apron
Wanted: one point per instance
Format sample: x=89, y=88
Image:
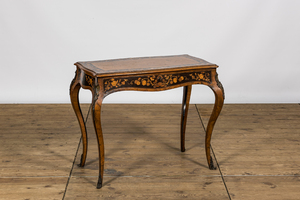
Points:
x=157, y=82
x=146, y=82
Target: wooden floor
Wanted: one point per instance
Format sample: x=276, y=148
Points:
x=256, y=147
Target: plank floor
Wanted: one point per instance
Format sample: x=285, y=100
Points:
x=256, y=147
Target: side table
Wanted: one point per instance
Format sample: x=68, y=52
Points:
x=144, y=74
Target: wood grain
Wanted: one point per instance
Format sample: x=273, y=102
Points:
x=263, y=187
x=143, y=157
x=257, y=148
x=149, y=188
x=33, y=188
x=37, y=146
x=144, y=64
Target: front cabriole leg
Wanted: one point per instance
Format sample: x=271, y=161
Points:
x=218, y=90
x=96, y=108
x=74, y=92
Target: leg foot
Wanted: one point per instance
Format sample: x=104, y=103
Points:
x=81, y=164
x=211, y=164
x=99, y=184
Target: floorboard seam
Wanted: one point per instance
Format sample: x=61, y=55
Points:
x=75, y=156
x=262, y=175
x=146, y=176
x=71, y=169
x=221, y=173
x=203, y=126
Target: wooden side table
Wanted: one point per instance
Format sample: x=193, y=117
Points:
x=143, y=74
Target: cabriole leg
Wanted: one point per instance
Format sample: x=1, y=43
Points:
x=184, y=112
x=97, y=124
x=219, y=101
x=74, y=92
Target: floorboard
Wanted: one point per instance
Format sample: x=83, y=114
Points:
x=256, y=148
x=143, y=158
x=37, y=145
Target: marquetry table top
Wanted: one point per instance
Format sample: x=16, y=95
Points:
x=143, y=65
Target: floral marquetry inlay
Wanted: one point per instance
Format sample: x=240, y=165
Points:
x=157, y=81
x=89, y=80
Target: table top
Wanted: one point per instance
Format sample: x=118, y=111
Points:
x=129, y=66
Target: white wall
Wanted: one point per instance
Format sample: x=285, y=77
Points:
x=256, y=43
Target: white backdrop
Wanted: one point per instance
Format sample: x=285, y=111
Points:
x=256, y=43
